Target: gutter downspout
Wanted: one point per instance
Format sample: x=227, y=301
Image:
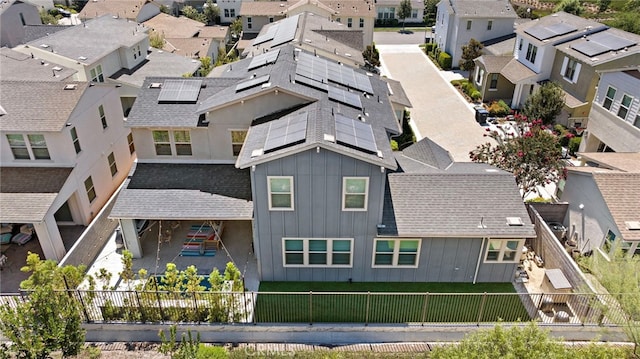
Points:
x=475, y=275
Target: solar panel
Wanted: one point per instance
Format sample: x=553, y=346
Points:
x=286, y=132
x=590, y=48
x=345, y=97
x=286, y=31
x=263, y=59
x=267, y=36
x=312, y=83
x=363, y=83
x=180, y=91
x=542, y=32
x=252, y=83
x=561, y=28
x=611, y=41
x=354, y=133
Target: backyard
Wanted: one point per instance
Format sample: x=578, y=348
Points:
x=313, y=302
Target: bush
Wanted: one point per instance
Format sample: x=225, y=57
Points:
x=574, y=144
x=499, y=109
x=475, y=95
x=444, y=60
x=211, y=352
x=394, y=145
x=429, y=47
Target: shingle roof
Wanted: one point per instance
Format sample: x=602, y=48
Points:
x=397, y=94
x=94, y=39
x=16, y=66
x=34, y=32
x=620, y=193
x=494, y=64
x=158, y=63
x=453, y=205
x=191, y=47
x=515, y=71
x=604, y=57
x=483, y=9
x=27, y=193
x=429, y=153
x=583, y=26
x=127, y=9
x=620, y=161
x=185, y=192
x=38, y=106
x=363, y=8
x=171, y=26
x=214, y=32
x=263, y=8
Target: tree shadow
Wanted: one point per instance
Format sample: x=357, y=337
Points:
x=406, y=32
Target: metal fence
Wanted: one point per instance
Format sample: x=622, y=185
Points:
x=339, y=307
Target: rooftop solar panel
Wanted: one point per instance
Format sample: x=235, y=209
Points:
x=263, y=59
x=267, y=36
x=355, y=134
x=312, y=83
x=542, y=32
x=611, y=41
x=180, y=91
x=252, y=83
x=561, y=28
x=363, y=83
x=345, y=97
x=286, y=132
x=589, y=48
x=286, y=31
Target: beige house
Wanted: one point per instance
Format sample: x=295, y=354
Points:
x=136, y=10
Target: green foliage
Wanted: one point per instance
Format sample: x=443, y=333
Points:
x=49, y=18
x=525, y=149
x=430, y=11
x=193, y=14
x=127, y=274
x=627, y=21
x=603, y=5
x=165, y=9
x=444, y=60
x=371, y=55
x=539, y=200
x=475, y=95
x=545, y=103
x=632, y=5
x=226, y=57
x=394, y=145
x=498, y=109
x=429, y=47
x=570, y=6
x=470, y=51
x=206, y=65
x=404, y=11
x=574, y=144
x=186, y=348
x=236, y=28
x=47, y=272
x=211, y=352
x=156, y=40
x=211, y=12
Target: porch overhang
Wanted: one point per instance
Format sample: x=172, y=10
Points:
x=571, y=102
x=517, y=73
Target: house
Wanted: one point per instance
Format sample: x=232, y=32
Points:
x=14, y=16
x=138, y=11
x=388, y=12
x=63, y=152
x=603, y=203
x=16, y=66
x=354, y=14
x=458, y=21
x=614, y=118
x=297, y=147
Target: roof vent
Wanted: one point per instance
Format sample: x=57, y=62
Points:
x=82, y=58
x=515, y=221
x=56, y=68
x=155, y=85
x=379, y=153
x=329, y=138
x=633, y=225
x=70, y=86
x=256, y=153
x=44, y=46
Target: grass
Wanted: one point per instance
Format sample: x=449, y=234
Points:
x=413, y=306
x=399, y=29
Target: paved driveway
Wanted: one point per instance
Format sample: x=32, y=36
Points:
x=439, y=111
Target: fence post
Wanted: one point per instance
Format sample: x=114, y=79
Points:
x=424, y=308
x=195, y=302
x=159, y=305
x=484, y=300
x=254, y=298
x=366, y=319
x=140, y=307
x=84, y=308
x=310, y=307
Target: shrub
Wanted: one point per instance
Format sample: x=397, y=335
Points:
x=211, y=352
x=429, y=47
x=574, y=144
x=499, y=109
x=475, y=95
x=444, y=60
x=394, y=145
x=457, y=82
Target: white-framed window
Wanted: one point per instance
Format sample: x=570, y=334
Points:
x=355, y=192
x=532, y=51
x=349, y=22
x=132, y=146
x=493, y=82
x=414, y=13
x=396, y=252
x=361, y=22
x=34, y=147
x=608, y=244
x=75, y=139
x=469, y=24
x=489, y=25
x=91, y=191
x=386, y=13
x=479, y=74
x=111, y=159
x=570, y=69
x=96, y=74
x=637, y=121
x=503, y=250
x=172, y=142
x=237, y=140
x=625, y=104
x=317, y=252
x=608, y=99
x=280, y=193
x=103, y=117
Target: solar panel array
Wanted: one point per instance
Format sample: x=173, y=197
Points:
x=252, y=83
x=602, y=42
x=180, y=91
x=355, y=134
x=286, y=132
x=267, y=36
x=286, y=31
x=312, y=83
x=322, y=70
x=345, y=97
x=263, y=59
x=542, y=32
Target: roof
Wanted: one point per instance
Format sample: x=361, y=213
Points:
x=93, y=40
x=346, y=8
x=264, y=8
x=502, y=45
x=214, y=32
x=34, y=32
x=397, y=94
x=185, y=192
x=581, y=25
x=571, y=101
x=429, y=153
x=171, y=26
x=27, y=193
x=16, y=66
x=191, y=47
x=127, y=9
x=494, y=9
x=38, y=107
x=158, y=63
x=494, y=64
x=569, y=47
x=621, y=161
x=516, y=72
x=456, y=205
x=621, y=195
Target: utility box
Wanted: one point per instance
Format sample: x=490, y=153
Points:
x=481, y=115
x=556, y=285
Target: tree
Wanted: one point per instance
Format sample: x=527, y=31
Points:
x=236, y=28
x=371, y=56
x=526, y=149
x=404, y=11
x=156, y=40
x=570, y=6
x=603, y=5
x=211, y=12
x=193, y=14
x=165, y=9
x=470, y=51
x=47, y=18
x=545, y=104
x=206, y=66
x=430, y=11
x=627, y=21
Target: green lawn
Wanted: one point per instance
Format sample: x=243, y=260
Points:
x=413, y=307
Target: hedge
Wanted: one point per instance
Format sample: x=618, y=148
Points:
x=444, y=60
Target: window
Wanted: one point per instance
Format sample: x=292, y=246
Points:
x=637, y=121
x=103, y=118
x=168, y=143
x=493, y=84
x=468, y=24
x=520, y=45
x=361, y=22
x=354, y=193
x=96, y=74
x=607, y=244
x=132, y=147
x=75, y=140
x=226, y=12
x=237, y=140
x=249, y=24
x=386, y=13
x=112, y=164
x=490, y=25
x=414, y=14
x=608, y=100
x=503, y=250
x=280, y=193
x=270, y=19
x=136, y=52
x=531, y=53
x=349, y=22
x=33, y=148
x=22, y=19
x=91, y=191
x=233, y=13
x=570, y=69
x=479, y=74
x=624, y=106
x=317, y=252
x=396, y=252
